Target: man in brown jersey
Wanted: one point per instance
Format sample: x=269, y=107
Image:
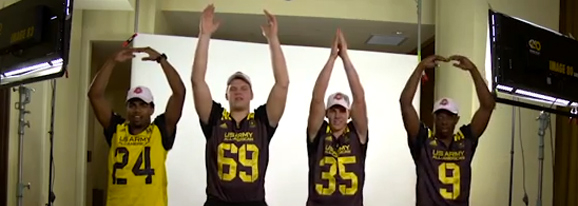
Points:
x=337, y=148
x=237, y=149
x=442, y=157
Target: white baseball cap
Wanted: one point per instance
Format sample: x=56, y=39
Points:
x=140, y=92
x=446, y=104
x=239, y=75
x=338, y=99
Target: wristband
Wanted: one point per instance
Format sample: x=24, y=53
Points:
x=161, y=57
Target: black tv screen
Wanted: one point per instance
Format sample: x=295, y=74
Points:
x=34, y=34
x=531, y=58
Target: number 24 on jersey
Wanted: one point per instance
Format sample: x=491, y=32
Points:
x=143, y=158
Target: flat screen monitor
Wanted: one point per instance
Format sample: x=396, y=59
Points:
x=34, y=40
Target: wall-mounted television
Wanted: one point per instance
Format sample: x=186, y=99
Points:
x=533, y=62
x=34, y=40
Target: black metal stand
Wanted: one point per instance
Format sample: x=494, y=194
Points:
x=51, y=196
x=24, y=93
x=512, y=155
x=544, y=120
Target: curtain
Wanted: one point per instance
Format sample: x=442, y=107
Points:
x=569, y=17
x=4, y=134
x=566, y=156
x=566, y=162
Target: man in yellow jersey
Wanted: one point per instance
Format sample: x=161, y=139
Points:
x=237, y=149
x=138, y=147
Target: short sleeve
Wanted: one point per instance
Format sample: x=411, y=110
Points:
x=417, y=143
x=216, y=112
x=466, y=130
x=312, y=145
x=167, y=139
x=354, y=129
x=115, y=120
x=261, y=114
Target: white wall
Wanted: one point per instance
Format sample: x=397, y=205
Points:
x=390, y=171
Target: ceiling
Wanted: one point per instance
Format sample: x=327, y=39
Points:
x=307, y=31
x=109, y=5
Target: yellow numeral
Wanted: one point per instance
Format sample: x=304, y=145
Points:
x=329, y=176
x=252, y=162
x=454, y=180
x=335, y=163
x=22, y=35
x=30, y=32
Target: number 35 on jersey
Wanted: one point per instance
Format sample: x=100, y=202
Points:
x=337, y=164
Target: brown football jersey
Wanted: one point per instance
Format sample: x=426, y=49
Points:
x=237, y=157
x=336, y=168
x=443, y=171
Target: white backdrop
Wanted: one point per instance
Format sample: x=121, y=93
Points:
x=390, y=178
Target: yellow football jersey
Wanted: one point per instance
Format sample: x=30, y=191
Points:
x=136, y=168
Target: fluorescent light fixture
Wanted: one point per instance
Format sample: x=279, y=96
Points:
x=532, y=96
x=386, y=40
x=38, y=70
x=488, y=62
x=505, y=88
x=68, y=5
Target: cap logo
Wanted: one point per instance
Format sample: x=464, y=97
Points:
x=138, y=90
x=444, y=102
x=338, y=96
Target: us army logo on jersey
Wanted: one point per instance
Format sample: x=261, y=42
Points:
x=134, y=140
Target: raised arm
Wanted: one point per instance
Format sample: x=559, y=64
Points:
x=201, y=93
x=317, y=107
x=278, y=95
x=358, y=107
x=174, y=108
x=487, y=101
x=411, y=120
x=96, y=93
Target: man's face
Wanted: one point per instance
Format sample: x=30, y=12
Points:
x=239, y=94
x=338, y=117
x=139, y=113
x=445, y=123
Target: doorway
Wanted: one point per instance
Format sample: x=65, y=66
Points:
x=97, y=154
x=427, y=89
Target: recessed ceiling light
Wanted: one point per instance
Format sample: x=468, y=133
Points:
x=386, y=40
